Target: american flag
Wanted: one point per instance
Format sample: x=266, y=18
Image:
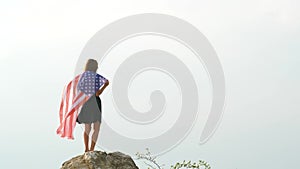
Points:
x=75, y=94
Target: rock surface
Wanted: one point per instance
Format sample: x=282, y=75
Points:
x=100, y=160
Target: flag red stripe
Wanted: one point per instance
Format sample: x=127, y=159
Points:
x=68, y=117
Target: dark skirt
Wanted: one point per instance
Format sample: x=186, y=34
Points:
x=91, y=111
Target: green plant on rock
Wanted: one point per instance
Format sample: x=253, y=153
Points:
x=190, y=165
x=147, y=156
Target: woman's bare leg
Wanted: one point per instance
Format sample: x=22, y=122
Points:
x=86, y=133
x=95, y=134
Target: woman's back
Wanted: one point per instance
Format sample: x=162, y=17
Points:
x=90, y=82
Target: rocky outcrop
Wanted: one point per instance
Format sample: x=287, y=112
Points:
x=100, y=160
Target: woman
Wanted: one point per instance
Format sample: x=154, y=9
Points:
x=91, y=84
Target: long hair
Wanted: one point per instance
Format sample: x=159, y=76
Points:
x=91, y=65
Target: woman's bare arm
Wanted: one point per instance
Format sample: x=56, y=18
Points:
x=102, y=88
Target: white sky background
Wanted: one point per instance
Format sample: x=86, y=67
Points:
x=257, y=43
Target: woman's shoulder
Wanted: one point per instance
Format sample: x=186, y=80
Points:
x=89, y=72
x=100, y=76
